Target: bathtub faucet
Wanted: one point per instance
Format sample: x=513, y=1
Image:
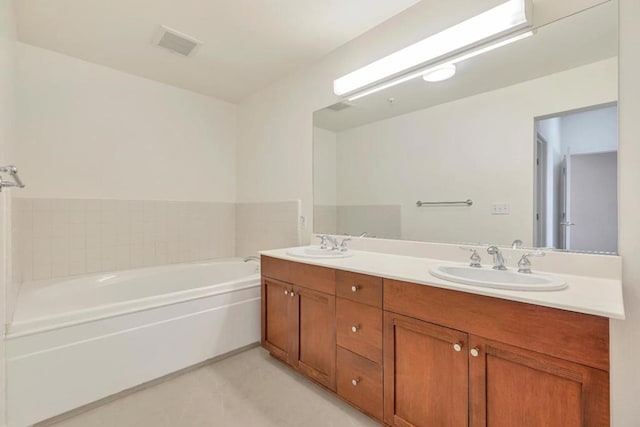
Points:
x=252, y=258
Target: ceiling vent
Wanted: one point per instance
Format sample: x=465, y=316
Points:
x=177, y=42
x=339, y=106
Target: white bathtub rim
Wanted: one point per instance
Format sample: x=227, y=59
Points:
x=106, y=311
x=36, y=284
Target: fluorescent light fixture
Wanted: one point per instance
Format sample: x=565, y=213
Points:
x=456, y=60
x=503, y=18
x=491, y=47
x=440, y=74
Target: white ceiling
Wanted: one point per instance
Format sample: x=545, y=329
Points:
x=247, y=43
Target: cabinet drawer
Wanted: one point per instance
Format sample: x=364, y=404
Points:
x=319, y=279
x=359, y=287
x=359, y=328
x=275, y=268
x=366, y=394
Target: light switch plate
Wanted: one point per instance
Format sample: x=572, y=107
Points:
x=500, y=209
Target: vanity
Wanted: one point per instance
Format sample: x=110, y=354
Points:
x=409, y=349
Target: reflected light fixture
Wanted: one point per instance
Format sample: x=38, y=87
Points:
x=440, y=74
x=501, y=20
x=455, y=60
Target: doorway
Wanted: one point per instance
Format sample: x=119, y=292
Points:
x=576, y=180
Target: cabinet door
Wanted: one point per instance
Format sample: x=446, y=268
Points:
x=425, y=374
x=510, y=386
x=277, y=318
x=315, y=352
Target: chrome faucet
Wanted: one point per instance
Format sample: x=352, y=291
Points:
x=475, y=261
x=252, y=258
x=323, y=241
x=498, y=259
x=517, y=244
x=524, y=265
x=334, y=243
x=343, y=245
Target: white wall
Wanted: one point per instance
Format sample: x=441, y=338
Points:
x=324, y=178
x=625, y=337
x=88, y=131
x=480, y=147
x=7, y=134
x=594, y=131
x=275, y=140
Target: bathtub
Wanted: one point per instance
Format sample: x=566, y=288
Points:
x=78, y=340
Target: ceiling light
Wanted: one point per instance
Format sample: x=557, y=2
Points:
x=439, y=74
x=500, y=20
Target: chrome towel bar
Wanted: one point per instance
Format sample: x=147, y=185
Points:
x=467, y=202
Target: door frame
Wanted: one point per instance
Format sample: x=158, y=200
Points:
x=540, y=205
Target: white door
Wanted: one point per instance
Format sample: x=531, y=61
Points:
x=593, y=202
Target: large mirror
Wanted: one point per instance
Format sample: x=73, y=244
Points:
x=521, y=144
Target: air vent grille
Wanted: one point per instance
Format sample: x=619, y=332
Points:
x=339, y=106
x=177, y=42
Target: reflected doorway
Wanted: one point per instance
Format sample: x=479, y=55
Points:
x=576, y=180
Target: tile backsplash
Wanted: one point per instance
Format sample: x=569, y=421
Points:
x=261, y=226
x=65, y=237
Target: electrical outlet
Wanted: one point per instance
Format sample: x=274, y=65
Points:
x=500, y=209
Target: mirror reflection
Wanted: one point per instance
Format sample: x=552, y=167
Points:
x=519, y=144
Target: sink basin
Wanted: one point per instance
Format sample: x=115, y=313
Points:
x=498, y=279
x=317, y=252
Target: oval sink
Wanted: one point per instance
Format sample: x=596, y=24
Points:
x=317, y=252
x=498, y=279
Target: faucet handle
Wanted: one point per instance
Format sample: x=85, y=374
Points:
x=323, y=241
x=343, y=245
x=524, y=265
x=475, y=260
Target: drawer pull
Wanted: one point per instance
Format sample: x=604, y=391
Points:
x=286, y=292
x=355, y=381
x=475, y=352
x=355, y=288
x=457, y=347
x=355, y=328
x=292, y=294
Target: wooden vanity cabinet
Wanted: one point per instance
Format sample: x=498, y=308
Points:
x=510, y=386
x=298, y=322
x=425, y=378
x=437, y=362
x=413, y=355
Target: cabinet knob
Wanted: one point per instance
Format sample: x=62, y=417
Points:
x=457, y=346
x=286, y=292
x=355, y=381
x=475, y=352
x=355, y=288
x=292, y=294
x=355, y=328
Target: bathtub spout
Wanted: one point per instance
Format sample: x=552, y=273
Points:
x=252, y=258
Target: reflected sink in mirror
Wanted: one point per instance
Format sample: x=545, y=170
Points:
x=319, y=253
x=498, y=279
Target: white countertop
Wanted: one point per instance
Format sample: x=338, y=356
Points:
x=589, y=295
